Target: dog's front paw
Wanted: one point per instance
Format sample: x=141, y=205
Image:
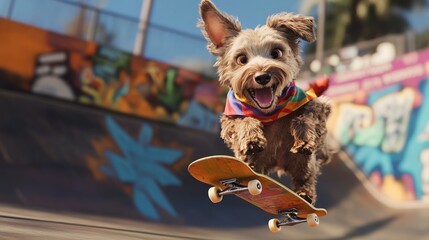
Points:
x=252, y=144
x=254, y=147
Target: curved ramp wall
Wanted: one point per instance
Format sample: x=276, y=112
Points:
x=381, y=119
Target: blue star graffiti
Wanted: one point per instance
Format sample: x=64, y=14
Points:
x=143, y=166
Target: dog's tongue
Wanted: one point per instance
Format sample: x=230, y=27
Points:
x=264, y=96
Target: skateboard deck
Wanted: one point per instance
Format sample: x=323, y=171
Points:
x=220, y=171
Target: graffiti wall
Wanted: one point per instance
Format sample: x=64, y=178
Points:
x=46, y=63
x=381, y=118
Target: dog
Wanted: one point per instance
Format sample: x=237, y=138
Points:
x=269, y=122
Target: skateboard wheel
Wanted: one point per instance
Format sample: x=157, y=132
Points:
x=273, y=225
x=254, y=187
x=214, y=194
x=312, y=220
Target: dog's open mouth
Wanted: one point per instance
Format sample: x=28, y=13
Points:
x=264, y=97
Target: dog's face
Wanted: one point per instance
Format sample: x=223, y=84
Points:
x=257, y=64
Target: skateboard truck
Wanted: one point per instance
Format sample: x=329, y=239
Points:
x=291, y=218
x=233, y=186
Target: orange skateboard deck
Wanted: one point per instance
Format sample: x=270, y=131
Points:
x=229, y=175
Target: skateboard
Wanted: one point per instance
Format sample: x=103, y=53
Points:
x=229, y=175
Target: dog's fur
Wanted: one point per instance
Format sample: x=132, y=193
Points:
x=294, y=144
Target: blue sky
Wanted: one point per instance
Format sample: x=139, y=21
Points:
x=182, y=15
x=250, y=12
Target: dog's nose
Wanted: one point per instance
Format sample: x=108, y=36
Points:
x=263, y=78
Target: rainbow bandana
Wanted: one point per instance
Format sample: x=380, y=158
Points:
x=290, y=100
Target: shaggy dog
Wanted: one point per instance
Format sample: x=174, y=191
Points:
x=268, y=122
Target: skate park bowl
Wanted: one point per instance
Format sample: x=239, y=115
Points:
x=101, y=149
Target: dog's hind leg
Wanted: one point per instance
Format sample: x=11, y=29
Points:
x=304, y=178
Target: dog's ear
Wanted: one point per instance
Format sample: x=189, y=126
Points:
x=217, y=27
x=293, y=26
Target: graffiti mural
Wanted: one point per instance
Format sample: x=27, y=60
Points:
x=141, y=166
x=87, y=73
x=381, y=119
x=50, y=76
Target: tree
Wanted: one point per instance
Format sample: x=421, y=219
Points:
x=350, y=21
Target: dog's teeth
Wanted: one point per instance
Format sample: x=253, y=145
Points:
x=252, y=92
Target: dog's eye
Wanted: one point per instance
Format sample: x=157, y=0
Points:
x=276, y=53
x=242, y=59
